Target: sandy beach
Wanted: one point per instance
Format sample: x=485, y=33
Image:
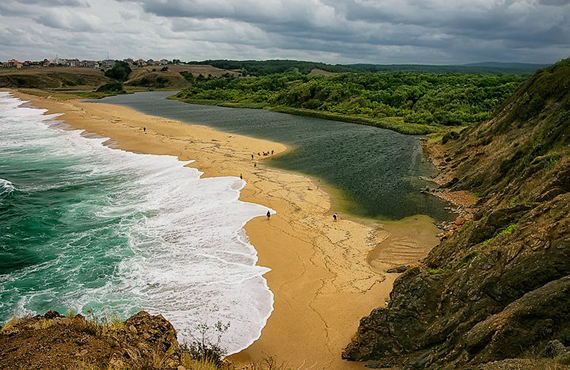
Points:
x=325, y=275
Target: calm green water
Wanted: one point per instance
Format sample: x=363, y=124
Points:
x=376, y=171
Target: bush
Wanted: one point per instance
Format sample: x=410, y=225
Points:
x=451, y=135
x=114, y=86
x=202, y=349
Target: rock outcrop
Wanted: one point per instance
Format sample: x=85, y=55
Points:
x=54, y=341
x=498, y=288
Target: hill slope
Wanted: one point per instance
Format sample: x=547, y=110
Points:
x=52, y=78
x=500, y=287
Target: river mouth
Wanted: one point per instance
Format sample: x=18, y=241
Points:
x=370, y=172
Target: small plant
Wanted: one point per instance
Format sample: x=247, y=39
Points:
x=269, y=363
x=203, y=350
x=506, y=231
x=436, y=271
x=9, y=325
x=465, y=260
x=71, y=313
x=44, y=324
x=205, y=364
x=564, y=359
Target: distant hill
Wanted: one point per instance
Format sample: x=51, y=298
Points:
x=476, y=68
x=522, y=67
x=52, y=78
x=267, y=67
x=172, y=77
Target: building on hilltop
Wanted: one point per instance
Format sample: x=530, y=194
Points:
x=12, y=63
x=89, y=64
x=107, y=63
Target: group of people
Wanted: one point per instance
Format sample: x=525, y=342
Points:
x=265, y=154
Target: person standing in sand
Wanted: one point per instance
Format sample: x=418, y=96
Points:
x=335, y=217
x=268, y=215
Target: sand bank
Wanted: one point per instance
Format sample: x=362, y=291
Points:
x=325, y=275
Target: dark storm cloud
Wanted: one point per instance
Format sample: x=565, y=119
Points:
x=555, y=2
x=336, y=31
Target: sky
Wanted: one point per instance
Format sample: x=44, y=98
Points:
x=330, y=31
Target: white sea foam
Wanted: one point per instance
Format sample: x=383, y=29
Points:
x=189, y=258
x=6, y=186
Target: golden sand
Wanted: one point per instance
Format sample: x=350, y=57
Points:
x=325, y=275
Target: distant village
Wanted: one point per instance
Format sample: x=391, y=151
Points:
x=94, y=64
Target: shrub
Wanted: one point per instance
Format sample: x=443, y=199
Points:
x=451, y=135
x=203, y=350
x=114, y=86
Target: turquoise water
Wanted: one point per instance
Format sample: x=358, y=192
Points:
x=107, y=232
x=376, y=172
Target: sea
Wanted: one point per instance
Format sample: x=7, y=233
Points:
x=89, y=229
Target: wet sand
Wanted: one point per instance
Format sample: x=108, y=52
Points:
x=325, y=275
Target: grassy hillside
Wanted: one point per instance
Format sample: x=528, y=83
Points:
x=172, y=77
x=52, y=78
x=499, y=287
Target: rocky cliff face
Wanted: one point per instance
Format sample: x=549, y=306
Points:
x=499, y=287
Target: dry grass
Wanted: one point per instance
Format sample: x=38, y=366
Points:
x=192, y=364
x=205, y=70
x=51, y=70
x=320, y=72
x=10, y=325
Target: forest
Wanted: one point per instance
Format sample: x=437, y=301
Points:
x=425, y=100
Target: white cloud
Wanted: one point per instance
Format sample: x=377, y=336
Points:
x=334, y=31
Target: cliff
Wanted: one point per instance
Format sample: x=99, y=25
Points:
x=499, y=287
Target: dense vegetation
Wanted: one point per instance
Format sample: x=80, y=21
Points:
x=119, y=72
x=113, y=86
x=405, y=97
x=267, y=67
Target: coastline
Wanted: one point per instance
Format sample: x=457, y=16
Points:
x=320, y=277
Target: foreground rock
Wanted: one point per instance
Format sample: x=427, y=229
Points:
x=53, y=341
x=499, y=287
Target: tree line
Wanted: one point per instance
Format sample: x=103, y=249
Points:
x=415, y=97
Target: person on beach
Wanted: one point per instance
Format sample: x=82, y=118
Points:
x=268, y=215
x=252, y=157
x=241, y=176
x=254, y=164
x=335, y=217
x=272, y=151
x=144, y=129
